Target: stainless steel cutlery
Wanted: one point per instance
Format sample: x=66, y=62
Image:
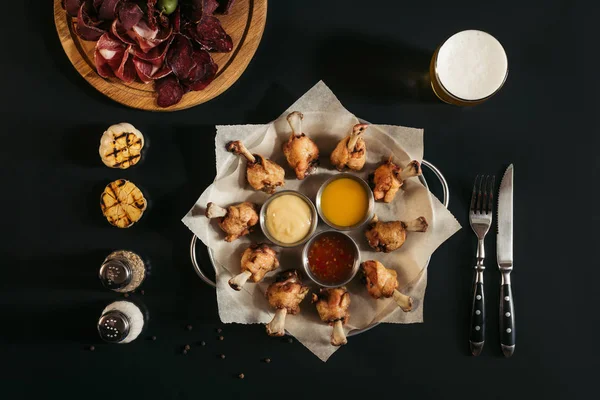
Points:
x=480, y=218
x=504, y=256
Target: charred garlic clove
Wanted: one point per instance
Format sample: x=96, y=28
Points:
x=121, y=146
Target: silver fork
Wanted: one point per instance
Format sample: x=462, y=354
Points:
x=480, y=217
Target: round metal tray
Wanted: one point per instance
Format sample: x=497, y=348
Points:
x=208, y=281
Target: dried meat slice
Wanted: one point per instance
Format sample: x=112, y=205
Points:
x=211, y=35
x=87, y=28
x=147, y=37
x=156, y=55
x=119, y=31
x=126, y=71
x=112, y=50
x=204, y=72
x=108, y=10
x=194, y=10
x=224, y=6
x=179, y=57
x=129, y=15
x=169, y=91
x=72, y=6
x=148, y=72
x=102, y=66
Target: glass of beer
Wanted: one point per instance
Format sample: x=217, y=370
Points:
x=468, y=68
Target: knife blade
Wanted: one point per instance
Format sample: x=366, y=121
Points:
x=504, y=256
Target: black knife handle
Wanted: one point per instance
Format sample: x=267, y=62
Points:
x=507, y=320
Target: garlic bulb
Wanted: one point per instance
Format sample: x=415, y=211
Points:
x=121, y=146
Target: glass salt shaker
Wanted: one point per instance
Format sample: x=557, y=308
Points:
x=122, y=271
x=122, y=322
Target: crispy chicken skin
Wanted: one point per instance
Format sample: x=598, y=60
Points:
x=351, y=151
x=261, y=173
x=235, y=221
x=391, y=235
x=257, y=260
x=285, y=295
x=382, y=282
x=332, y=305
x=301, y=152
x=388, y=178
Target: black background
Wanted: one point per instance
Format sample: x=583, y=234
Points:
x=544, y=121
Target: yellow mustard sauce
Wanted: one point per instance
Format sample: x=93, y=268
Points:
x=288, y=218
x=344, y=202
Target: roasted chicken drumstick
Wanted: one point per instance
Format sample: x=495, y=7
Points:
x=285, y=295
x=351, y=151
x=257, y=260
x=332, y=305
x=388, y=178
x=236, y=220
x=261, y=173
x=383, y=282
x=389, y=236
x=300, y=151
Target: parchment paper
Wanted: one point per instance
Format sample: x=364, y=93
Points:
x=326, y=121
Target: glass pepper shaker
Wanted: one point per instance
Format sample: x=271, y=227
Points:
x=122, y=271
x=122, y=322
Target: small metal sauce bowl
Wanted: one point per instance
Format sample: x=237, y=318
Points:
x=370, y=209
x=313, y=215
x=306, y=264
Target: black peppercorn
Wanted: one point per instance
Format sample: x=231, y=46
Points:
x=92, y=348
x=221, y=338
x=222, y=356
x=187, y=347
x=142, y=292
x=241, y=376
x=267, y=360
x=153, y=338
x=203, y=343
x=184, y=352
x=189, y=327
x=219, y=330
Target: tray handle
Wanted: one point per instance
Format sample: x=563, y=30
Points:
x=210, y=282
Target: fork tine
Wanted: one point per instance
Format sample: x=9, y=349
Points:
x=478, y=206
x=490, y=207
x=474, y=195
x=484, y=200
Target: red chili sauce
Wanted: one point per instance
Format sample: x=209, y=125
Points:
x=331, y=258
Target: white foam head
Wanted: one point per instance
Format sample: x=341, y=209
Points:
x=471, y=65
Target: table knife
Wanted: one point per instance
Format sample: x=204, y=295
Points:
x=504, y=255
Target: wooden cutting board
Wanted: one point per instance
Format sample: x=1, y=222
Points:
x=245, y=24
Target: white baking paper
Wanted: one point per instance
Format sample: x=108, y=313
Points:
x=326, y=121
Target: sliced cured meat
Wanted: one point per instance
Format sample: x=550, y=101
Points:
x=148, y=72
x=203, y=73
x=72, y=6
x=224, y=6
x=195, y=9
x=112, y=50
x=108, y=10
x=126, y=71
x=180, y=57
x=211, y=35
x=86, y=28
x=102, y=66
x=169, y=91
x=156, y=55
x=129, y=15
x=151, y=12
x=147, y=37
x=119, y=31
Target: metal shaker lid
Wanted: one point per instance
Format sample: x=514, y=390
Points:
x=115, y=274
x=113, y=326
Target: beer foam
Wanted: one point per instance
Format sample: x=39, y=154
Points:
x=471, y=65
